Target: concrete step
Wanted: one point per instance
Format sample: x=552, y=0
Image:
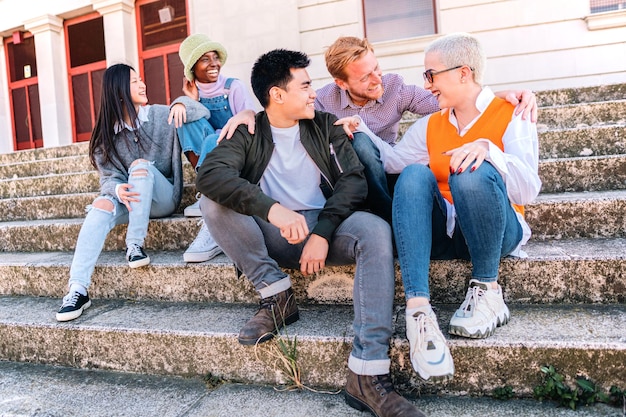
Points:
x=597, y=173
x=591, y=173
x=45, y=153
x=194, y=339
x=582, y=115
x=69, y=206
x=581, y=95
x=593, y=214
x=66, y=183
x=64, y=165
x=583, y=141
x=551, y=216
x=27, y=389
x=71, y=182
x=561, y=271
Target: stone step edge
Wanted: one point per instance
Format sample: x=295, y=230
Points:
x=573, y=271
x=195, y=339
x=31, y=388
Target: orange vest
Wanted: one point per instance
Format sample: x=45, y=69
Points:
x=441, y=136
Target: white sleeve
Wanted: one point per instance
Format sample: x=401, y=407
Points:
x=519, y=162
x=410, y=150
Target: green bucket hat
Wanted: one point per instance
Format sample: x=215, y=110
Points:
x=193, y=47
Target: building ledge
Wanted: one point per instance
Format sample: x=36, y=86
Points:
x=606, y=20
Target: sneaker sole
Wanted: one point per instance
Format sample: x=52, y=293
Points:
x=192, y=212
x=269, y=336
x=437, y=379
x=201, y=256
x=139, y=263
x=479, y=334
x=71, y=315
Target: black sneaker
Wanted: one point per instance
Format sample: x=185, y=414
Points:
x=73, y=305
x=136, y=256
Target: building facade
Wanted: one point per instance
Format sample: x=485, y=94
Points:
x=54, y=52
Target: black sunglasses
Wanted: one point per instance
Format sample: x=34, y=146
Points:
x=428, y=74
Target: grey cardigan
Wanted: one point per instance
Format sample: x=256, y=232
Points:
x=157, y=143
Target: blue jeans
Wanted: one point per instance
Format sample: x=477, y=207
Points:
x=379, y=184
x=156, y=200
x=486, y=226
x=258, y=250
x=200, y=136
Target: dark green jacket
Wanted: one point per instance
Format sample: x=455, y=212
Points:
x=231, y=172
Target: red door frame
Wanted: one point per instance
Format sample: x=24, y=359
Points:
x=162, y=51
x=16, y=85
x=88, y=69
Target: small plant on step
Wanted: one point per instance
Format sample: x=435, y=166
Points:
x=212, y=381
x=283, y=351
x=586, y=391
x=503, y=393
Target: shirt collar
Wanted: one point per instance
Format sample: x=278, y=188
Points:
x=142, y=117
x=346, y=101
x=485, y=98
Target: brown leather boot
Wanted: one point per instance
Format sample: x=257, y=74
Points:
x=274, y=313
x=376, y=395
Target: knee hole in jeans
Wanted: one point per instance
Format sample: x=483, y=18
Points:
x=139, y=173
x=103, y=204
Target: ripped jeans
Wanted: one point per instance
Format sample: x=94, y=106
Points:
x=155, y=195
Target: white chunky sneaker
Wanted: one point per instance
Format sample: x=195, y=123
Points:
x=203, y=247
x=429, y=351
x=193, y=210
x=482, y=311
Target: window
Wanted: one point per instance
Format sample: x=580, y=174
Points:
x=87, y=63
x=398, y=19
x=599, y=6
x=24, y=93
x=163, y=26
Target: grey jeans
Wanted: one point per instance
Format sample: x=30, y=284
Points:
x=258, y=250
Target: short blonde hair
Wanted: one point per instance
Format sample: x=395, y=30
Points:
x=343, y=52
x=460, y=49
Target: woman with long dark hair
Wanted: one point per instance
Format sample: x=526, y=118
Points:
x=137, y=154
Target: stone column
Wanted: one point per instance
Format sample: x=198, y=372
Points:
x=120, y=31
x=52, y=79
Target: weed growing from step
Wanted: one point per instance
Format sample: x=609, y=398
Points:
x=586, y=391
x=503, y=393
x=212, y=381
x=283, y=353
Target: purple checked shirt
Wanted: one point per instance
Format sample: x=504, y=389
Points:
x=382, y=116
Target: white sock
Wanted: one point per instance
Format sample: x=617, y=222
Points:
x=427, y=309
x=78, y=288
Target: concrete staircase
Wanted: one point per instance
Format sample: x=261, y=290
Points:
x=176, y=319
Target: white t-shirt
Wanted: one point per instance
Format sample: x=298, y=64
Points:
x=291, y=177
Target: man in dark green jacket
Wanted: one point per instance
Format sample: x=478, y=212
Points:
x=288, y=196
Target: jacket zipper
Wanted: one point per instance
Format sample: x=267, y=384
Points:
x=334, y=155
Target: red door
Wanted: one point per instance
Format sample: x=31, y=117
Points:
x=86, y=63
x=24, y=93
x=163, y=26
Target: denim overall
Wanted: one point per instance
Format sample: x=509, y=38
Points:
x=200, y=137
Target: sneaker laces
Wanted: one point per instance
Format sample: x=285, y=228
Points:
x=70, y=299
x=474, y=295
x=134, y=250
x=426, y=326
